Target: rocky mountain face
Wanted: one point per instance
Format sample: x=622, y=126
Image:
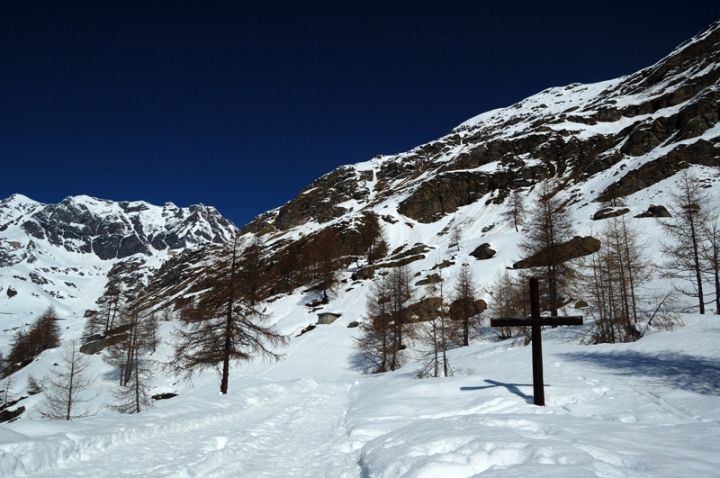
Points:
x=65, y=253
x=595, y=143
x=112, y=230
x=645, y=127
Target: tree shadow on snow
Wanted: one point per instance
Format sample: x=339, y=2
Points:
x=679, y=370
x=311, y=298
x=511, y=387
x=363, y=363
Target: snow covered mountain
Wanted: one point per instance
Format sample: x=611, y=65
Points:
x=61, y=254
x=651, y=408
x=598, y=142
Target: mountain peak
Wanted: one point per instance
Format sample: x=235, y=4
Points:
x=17, y=199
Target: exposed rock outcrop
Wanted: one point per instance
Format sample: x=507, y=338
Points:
x=431, y=279
x=655, y=211
x=445, y=193
x=98, y=343
x=478, y=307
x=574, y=248
x=7, y=415
x=164, y=396
x=319, y=201
x=483, y=252
x=426, y=308
x=608, y=212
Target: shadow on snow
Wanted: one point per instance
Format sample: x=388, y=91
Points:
x=511, y=387
x=679, y=370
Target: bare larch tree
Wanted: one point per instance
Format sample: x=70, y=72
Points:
x=222, y=324
x=514, y=211
x=64, y=386
x=549, y=225
x=463, y=308
x=690, y=209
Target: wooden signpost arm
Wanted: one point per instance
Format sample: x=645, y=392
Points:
x=569, y=320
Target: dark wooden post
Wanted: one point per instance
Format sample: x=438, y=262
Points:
x=537, y=361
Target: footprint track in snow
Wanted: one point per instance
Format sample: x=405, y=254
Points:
x=301, y=434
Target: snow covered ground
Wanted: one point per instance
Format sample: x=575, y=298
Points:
x=646, y=409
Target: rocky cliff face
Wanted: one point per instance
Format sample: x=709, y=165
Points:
x=644, y=127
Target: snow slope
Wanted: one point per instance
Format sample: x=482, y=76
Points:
x=647, y=409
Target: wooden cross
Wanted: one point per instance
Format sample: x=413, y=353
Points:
x=537, y=322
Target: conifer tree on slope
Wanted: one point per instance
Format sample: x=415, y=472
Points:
x=132, y=395
x=130, y=357
x=103, y=319
x=548, y=225
x=372, y=239
x=711, y=256
x=325, y=249
x=509, y=298
x=64, y=386
x=110, y=304
x=222, y=325
x=613, y=281
x=376, y=339
x=43, y=334
x=514, y=211
x=386, y=320
x=435, y=333
x=463, y=308
x=251, y=274
x=400, y=295
x=690, y=210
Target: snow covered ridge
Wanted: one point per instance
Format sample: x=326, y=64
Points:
x=60, y=254
x=112, y=230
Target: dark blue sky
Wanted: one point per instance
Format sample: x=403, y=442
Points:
x=240, y=105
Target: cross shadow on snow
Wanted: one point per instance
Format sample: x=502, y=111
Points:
x=679, y=370
x=511, y=387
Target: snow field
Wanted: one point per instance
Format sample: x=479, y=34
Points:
x=227, y=436
x=601, y=420
x=648, y=409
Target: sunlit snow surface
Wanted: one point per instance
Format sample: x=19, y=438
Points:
x=646, y=409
